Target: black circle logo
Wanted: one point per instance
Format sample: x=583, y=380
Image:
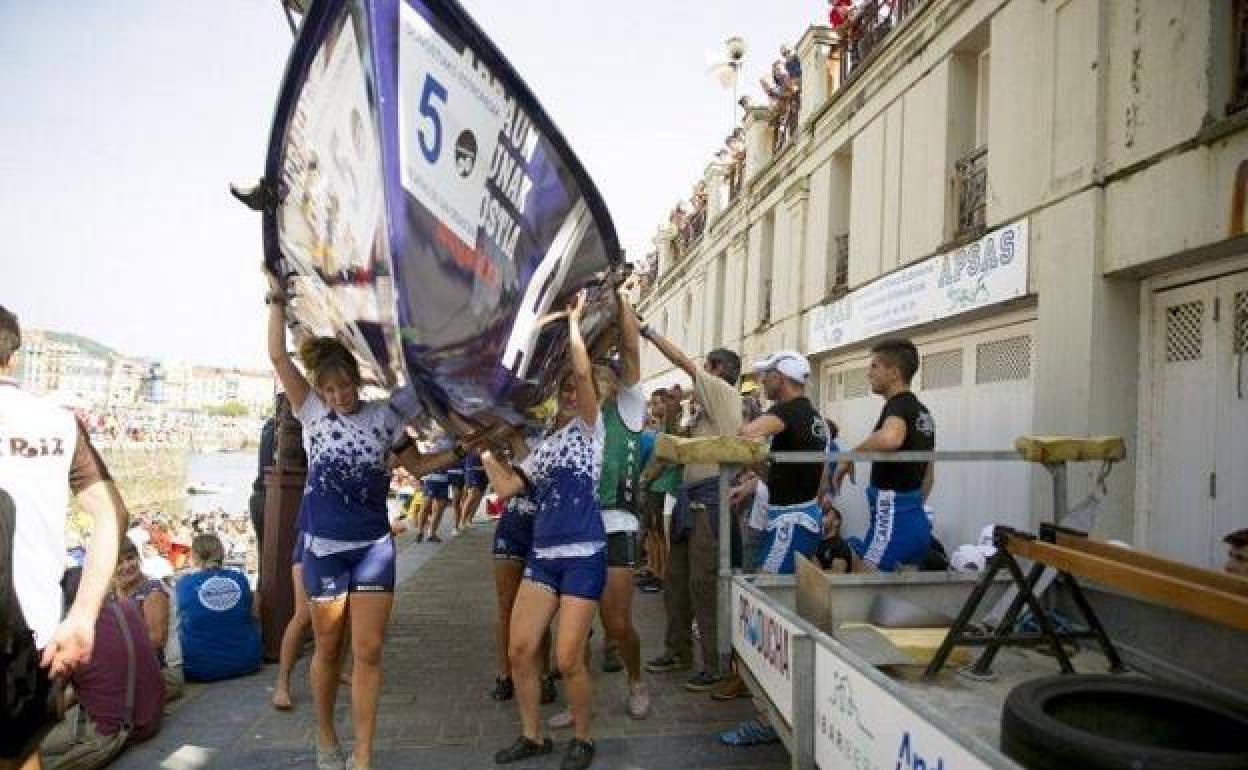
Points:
x=465, y=153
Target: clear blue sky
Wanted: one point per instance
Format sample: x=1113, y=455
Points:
x=124, y=121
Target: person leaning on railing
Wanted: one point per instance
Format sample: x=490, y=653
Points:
x=899, y=531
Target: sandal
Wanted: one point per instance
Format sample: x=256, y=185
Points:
x=749, y=733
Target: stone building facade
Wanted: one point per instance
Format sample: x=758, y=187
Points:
x=1048, y=198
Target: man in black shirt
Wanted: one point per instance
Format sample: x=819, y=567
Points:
x=899, y=531
x=793, y=425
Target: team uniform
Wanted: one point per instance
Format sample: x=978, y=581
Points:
x=568, y=556
x=899, y=531
x=455, y=478
x=794, y=518
x=44, y=455
x=474, y=472
x=436, y=486
x=343, y=517
x=619, y=484
x=513, y=535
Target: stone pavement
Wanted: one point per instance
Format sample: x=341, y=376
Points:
x=435, y=711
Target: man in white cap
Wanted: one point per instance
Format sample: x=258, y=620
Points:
x=792, y=424
x=794, y=519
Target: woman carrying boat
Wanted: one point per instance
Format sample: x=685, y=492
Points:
x=567, y=568
x=348, y=555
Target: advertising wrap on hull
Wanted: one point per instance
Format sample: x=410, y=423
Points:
x=432, y=216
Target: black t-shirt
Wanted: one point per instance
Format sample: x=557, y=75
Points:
x=804, y=431
x=920, y=436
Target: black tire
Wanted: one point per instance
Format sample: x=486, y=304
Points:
x=1106, y=722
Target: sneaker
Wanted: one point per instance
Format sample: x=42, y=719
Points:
x=503, y=689
x=638, y=700
x=751, y=732
x=330, y=759
x=579, y=757
x=730, y=687
x=549, y=693
x=611, y=661
x=667, y=662
x=561, y=720
x=702, y=681
x=522, y=749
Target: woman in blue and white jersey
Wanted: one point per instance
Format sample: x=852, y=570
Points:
x=567, y=569
x=348, y=554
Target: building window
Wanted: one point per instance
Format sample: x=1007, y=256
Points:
x=1239, y=86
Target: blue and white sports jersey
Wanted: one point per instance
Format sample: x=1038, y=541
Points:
x=344, y=498
x=562, y=474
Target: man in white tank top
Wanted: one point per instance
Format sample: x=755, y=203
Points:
x=44, y=455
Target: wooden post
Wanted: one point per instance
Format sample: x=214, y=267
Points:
x=283, y=484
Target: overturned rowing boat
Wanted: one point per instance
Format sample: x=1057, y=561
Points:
x=428, y=211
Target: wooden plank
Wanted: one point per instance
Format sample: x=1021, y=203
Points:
x=1222, y=581
x=1209, y=603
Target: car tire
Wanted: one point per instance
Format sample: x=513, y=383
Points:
x=1107, y=722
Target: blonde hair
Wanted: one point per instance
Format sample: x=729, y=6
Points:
x=207, y=550
x=322, y=355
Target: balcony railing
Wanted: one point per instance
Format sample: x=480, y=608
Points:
x=784, y=120
x=1239, y=87
x=869, y=26
x=838, y=264
x=971, y=180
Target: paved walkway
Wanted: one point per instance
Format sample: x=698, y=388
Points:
x=435, y=711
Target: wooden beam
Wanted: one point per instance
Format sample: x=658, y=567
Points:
x=1222, y=581
x=1210, y=603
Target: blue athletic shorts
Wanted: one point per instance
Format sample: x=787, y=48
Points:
x=899, y=531
x=362, y=570
x=455, y=476
x=581, y=576
x=475, y=478
x=436, y=487
x=513, y=536
x=791, y=529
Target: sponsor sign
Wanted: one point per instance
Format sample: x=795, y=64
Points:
x=860, y=726
x=764, y=642
x=993, y=269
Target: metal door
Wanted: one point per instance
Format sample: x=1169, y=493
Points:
x=1230, y=502
x=1185, y=423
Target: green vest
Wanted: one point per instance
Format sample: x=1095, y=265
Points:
x=620, y=482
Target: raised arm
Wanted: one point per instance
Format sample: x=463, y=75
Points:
x=671, y=352
x=630, y=341
x=74, y=638
x=586, y=397
x=503, y=477
x=293, y=381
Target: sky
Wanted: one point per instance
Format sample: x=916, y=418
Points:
x=124, y=121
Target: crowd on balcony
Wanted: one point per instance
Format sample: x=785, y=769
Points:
x=860, y=25
x=783, y=89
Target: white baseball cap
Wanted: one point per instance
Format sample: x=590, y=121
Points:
x=790, y=363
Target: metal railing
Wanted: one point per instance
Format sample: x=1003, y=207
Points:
x=870, y=26
x=971, y=180
x=838, y=265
